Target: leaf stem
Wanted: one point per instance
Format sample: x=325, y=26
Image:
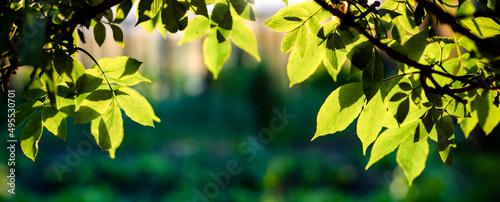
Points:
x=95, y=61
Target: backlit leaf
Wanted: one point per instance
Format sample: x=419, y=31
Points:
x=389, y=140
x=215, y=52
x=148, y=9
x=412, y=156
x=370, y=120
x=94, y=105
x=108, y=129
x=243, y=37
x=136, y=106
x=31, y=135
x=196, y=28
x=287, y=19
x=341, y=107
x=26, y=110
x=121, y=66
x=373, y=75
x=298, y=68
x=54, y=121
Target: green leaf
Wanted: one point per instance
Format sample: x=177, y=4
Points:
x=371, y=120
x=389, y=140
x=196, y=28
x=302, y=43
x=130, y=80
x=26, y=110
x=35, y=90
x=108, y=129
x=335, y=52
x=94, y=105
x=121, y=66
x=122, y=11
x=373, y=75
x=341, y=107
x=198, y=7
x=446, y=138
x=147, y=10
x=243, y=9
x=298, y=68
x=468, y=124
x=215, y=51
x=412, y=156
x=174, y=16
x=415, y=46
x=289, y=40
x=403, y=109
x=136, y=106
x=69, y=69
x=94, y=80
x=287, y=19
x=361, y=55
x=482, y=26
x=54, y=121
x=244, y=38
x=150, y=25
x=488, y=114
x=117, y=34
x=222, y=18
x=99, y=33
x=31, y=135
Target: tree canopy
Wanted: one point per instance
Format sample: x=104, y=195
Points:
x=440, y=80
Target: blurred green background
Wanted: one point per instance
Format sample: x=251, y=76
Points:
x=206, y=126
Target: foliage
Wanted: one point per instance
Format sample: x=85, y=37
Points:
x=440, y=80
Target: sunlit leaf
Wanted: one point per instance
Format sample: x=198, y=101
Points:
x=94, y=105
x=412, y=156
x=196, y=28
x=31, y=135
x=370, y=120
x=136, y=106
x=244, y=38
x=26, y=110
x=389, y=140
x=341, y=107
x=215, y=52
x=148, y=9
x=54, y=121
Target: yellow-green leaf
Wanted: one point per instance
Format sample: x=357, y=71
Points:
x=24, y=111
x=196, y=28
x=243, y=37
x=298, y=68
x=389, y=140
x=31, y=135
x=371, y=120
x=412, y=156
x=341, y=107
x=216, y=50
x=136, y=106
x=94, y=105
x=108, y=129
x=54, y=121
